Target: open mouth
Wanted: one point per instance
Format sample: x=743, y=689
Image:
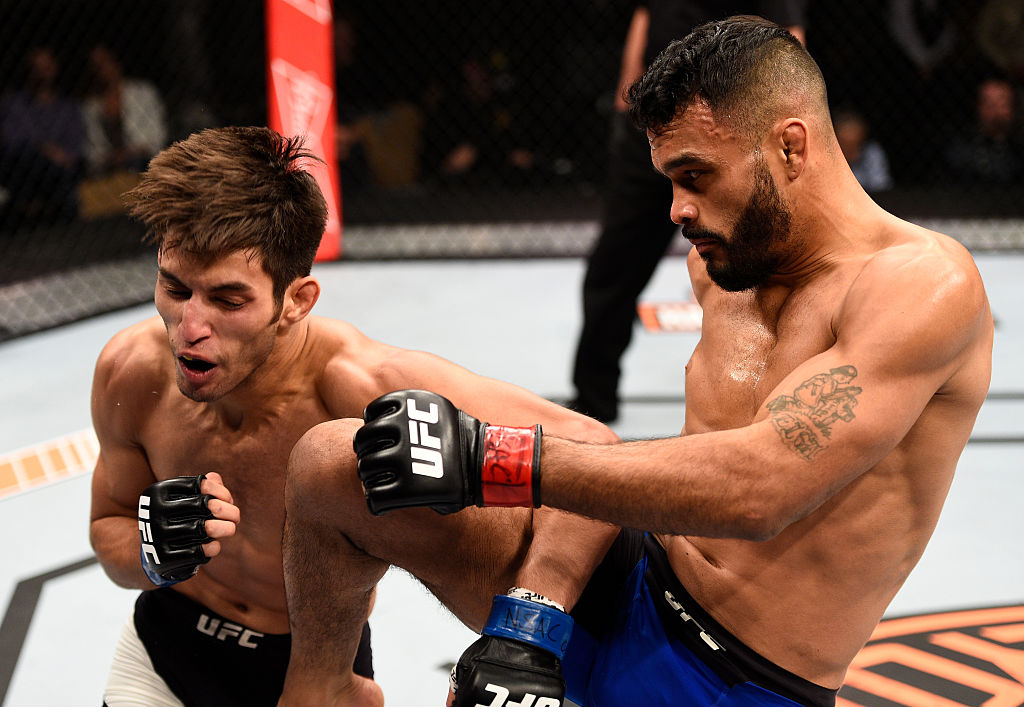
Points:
x=196, y=365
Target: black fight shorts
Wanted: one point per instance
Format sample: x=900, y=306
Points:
x=210, y=661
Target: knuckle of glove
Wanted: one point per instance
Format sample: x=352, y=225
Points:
x=176, y=513
x=408, y=453
x=386, y=404
x=381, y=499
x=493, y=666
x=176, y=488
x=507, y=652
x=378, y=455
x=184, y=516
x=376, y=436
x=172, y=523
x=181, y=563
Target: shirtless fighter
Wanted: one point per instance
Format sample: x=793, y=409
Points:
x=844, y=357
x=197, y=410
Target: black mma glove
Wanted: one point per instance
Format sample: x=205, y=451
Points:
x=417, y=449
x=517, y=661
x=172, y=523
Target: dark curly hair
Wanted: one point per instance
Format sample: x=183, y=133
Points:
x=744, y=68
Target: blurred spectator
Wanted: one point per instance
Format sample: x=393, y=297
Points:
x=991, y=151
x=352, y=162
x=477, y=131
x=926, y=32
x=125, y=118
x=1000, y=36
x=866, y=156
x=934, y=50
x=41, y=140
x=378, y=142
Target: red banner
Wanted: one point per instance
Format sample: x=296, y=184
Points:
x=300, y=91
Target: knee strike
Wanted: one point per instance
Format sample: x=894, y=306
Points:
x=322, y=468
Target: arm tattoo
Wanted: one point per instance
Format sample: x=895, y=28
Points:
x=804, y=419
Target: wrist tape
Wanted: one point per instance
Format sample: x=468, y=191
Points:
x=510, y=469
x=529, y=594
x=530, y=622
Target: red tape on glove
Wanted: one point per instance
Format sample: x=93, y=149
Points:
x=507, y=470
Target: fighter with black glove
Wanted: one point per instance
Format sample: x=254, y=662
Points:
x=517, y=660
x=417, y=449
x=172, y=523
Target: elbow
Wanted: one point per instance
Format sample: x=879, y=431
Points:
x=94, y=544
x=120, y=563
x=759, y=520
x=586, y=429
x=762, y=530
x=98, y=539
x=756, y=528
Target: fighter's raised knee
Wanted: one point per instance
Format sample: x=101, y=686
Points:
x=319, y=462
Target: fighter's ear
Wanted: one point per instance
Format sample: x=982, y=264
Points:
x=299, y=299
x=793, y=145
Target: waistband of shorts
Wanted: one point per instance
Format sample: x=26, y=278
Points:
x=731, y=659
x=172, y=609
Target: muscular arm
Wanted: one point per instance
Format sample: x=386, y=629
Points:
x=830, y=420
x=122, y=397
x=121, y=474
x=566, y=548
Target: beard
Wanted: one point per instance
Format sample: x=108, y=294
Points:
x=749, y=256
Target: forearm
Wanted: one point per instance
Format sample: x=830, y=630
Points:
x=564, y=552
x=117, y=545
x=719, y=484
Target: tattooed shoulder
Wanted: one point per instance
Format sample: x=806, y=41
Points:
x=804, y=420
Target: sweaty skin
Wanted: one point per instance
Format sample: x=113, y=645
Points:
x=277, y=374
x=269, y=385
x=826, y=409
x=831, y=574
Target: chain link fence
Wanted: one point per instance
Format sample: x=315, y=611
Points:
x=465, y=129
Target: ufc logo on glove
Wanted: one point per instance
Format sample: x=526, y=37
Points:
x=417, y=449
x=146, y=530
x=424, y=449
x=529, y=699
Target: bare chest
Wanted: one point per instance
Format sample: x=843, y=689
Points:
x=744, y=353
x=252, y=460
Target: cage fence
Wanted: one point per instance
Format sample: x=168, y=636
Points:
x=464, y=129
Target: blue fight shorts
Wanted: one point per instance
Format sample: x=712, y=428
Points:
x=654, y=645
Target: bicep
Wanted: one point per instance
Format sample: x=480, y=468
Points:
x=121, y=474
x=851, y=405
x=122, y=469
x=841, y=413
